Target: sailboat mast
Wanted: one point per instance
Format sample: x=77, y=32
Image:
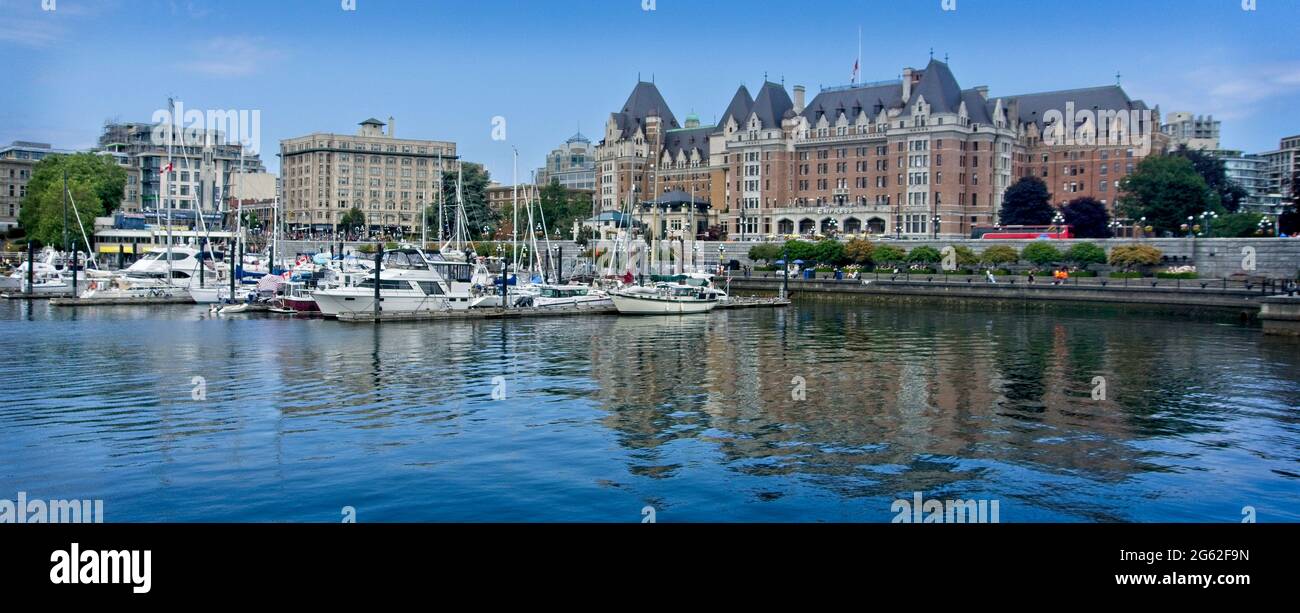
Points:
x=514, y=211
x=440, y=190
x=166, y=182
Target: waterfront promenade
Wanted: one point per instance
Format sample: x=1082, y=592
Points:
x=1242, y=295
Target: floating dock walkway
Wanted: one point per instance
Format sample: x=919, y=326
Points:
x=499, y=313
x=69, y=301
x=24, y=296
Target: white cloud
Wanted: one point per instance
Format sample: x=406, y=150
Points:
x=1225, y=91
x=231, y=56
x=36, y=33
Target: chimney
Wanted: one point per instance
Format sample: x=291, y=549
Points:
x=983, y=91
x=907, y=84
x=798, y=99
x=392, y=128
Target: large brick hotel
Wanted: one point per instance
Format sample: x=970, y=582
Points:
x=914, y=157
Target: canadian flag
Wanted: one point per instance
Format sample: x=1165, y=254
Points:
x=854, y=78
x=168, y=167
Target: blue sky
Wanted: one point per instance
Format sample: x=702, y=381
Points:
x=550, y=66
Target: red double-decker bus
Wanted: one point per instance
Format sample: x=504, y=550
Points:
x=1031, y=232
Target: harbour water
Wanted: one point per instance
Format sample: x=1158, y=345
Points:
x=823, y=411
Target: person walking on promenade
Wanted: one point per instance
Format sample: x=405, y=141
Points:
x=1031, y=277
x=988, y=273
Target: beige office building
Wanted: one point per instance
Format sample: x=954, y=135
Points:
x=389, y=179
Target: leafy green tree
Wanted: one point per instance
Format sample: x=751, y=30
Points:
x=42, y=212
x=888, y=254
x=966, y=256
x=924, y=255
x=1235, y=225
x=563, y=207
x=250, y=220
x=1041, y=253
x=1026, y=203
x=91, y=174
x=585, y=234
x=765, y=252
x=800, y=250
x=859, y=251
x=1229, y=195
x=1087, y=218
x=999, y=254
x=353, y=220
x=474, y=189
x=1166, y=190
x=1083, y=254
x=829, y=252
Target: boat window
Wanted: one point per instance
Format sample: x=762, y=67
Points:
x=454, y=271
x=430, y=288
x=385, y=284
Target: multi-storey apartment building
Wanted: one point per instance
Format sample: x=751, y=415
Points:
x=16, y=162
x=914, y=157
x=389, y=179
x=204, y=165
x=572, y=164
x=1284, y=166
x=1196, y=131
x=1251, y=172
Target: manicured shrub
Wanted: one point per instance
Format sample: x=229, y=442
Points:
x=1041, y=253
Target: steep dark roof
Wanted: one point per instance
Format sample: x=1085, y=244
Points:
x=978, y=110
x=939, y=88
x=852, y=100
x=739, y=107
x=644, y=102
x=771, y=104
x=686, y=139
x=1106, y=98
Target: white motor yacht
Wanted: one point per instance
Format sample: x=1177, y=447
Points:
x=409, y=281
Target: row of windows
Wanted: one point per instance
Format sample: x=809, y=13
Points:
x=419, y=149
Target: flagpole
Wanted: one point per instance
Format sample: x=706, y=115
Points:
x=857, y=64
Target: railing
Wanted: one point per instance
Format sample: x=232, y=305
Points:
x=1262, y=286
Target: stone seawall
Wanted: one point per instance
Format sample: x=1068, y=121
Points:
x=1194, y=297
x=1275, y=258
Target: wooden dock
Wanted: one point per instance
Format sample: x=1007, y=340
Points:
x=120, y=301
x=499, y=313
x=24, y=296
x=489, y=313
x=743, y=302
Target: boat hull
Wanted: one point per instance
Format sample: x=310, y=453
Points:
x=302, y=304
x=332, y=302
x=650, y=305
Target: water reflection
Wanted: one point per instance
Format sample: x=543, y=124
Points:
x=825, y=411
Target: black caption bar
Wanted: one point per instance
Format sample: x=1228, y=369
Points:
x=165, y=561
